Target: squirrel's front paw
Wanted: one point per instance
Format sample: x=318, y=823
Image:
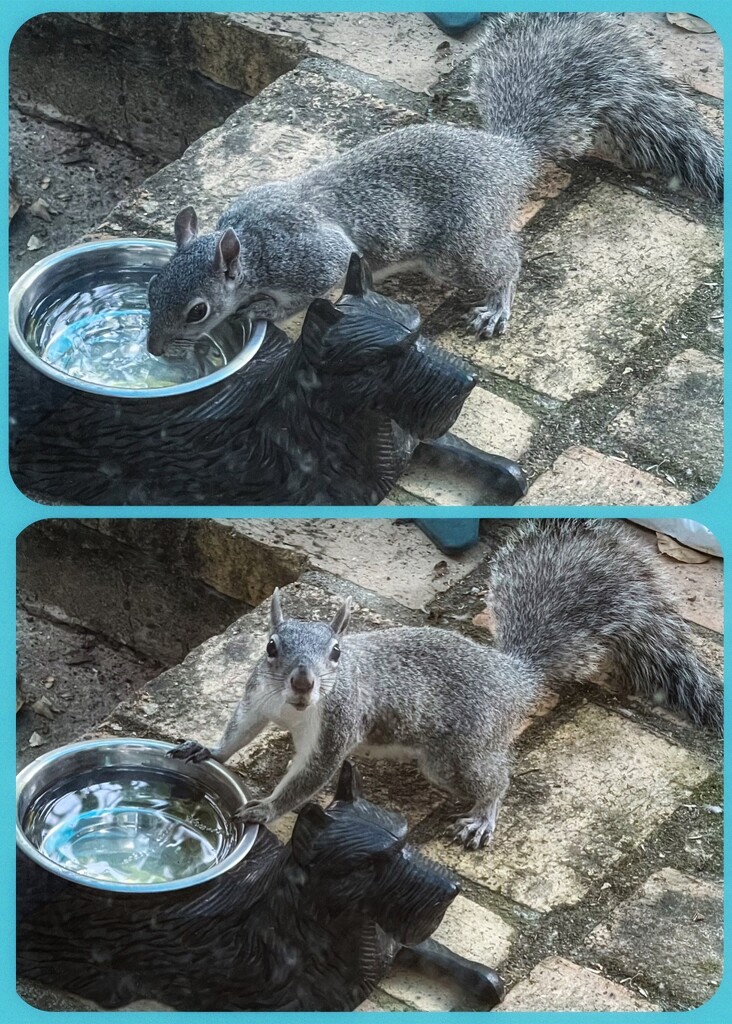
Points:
x=190, y=750
x=256, y=812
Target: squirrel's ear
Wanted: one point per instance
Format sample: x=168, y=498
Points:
x=276, y=618
x=311, y=820
x=342, y=617
x=349, y=783
x=226, y=260
x=358, y=277
x=186, y=227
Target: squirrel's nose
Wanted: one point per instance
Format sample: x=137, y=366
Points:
x=155, y=343
x=302, y=679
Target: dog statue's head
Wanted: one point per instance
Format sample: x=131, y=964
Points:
x=357, y=858
x=375, y=347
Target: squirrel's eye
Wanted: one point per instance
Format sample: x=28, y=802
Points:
x=335, y=652
x=271, y=649
x=196, y=313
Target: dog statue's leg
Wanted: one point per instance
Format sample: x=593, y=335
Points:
x=481, y=983
x=501, y=481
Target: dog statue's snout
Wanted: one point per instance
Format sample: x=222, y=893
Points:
x=302, y=680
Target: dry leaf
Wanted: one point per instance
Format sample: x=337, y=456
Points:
x=34, y=242
x=36, y=740
x=43, y=707
x=485, y=620
x=39, y=208
x=45, y=182
x=679, y=552
x=689, y=22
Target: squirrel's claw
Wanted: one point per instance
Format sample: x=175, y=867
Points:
x=488, y=322
x=473, y=833
x=189, y=751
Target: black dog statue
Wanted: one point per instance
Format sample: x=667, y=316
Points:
x=313, y=925
x=331, y=420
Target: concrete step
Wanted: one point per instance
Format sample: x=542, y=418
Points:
x=249, y=51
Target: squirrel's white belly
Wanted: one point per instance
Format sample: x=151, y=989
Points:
x=386, y=752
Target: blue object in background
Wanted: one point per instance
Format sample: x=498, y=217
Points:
x=455, y=24
x=451, y=536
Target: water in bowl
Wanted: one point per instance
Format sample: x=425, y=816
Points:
x=98, y=333
x=130, y=826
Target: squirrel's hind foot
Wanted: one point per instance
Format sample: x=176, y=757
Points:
x=487, y=322
x=473, y=833
x=491, y=319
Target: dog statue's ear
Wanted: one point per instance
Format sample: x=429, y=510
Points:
x=349, y=783
x=359, y=279
x=311, y=820
x=320, y=317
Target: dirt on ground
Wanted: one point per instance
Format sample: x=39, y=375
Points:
x=65, y=180
x=68, y=678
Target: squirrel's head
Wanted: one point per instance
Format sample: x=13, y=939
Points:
x=302, y=657
x=203, y=284
x=196, y=290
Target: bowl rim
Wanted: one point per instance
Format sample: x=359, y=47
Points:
x=17, y=336
x=58, y=753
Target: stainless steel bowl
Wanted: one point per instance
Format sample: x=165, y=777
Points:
x=60, y=767
x=101, y=263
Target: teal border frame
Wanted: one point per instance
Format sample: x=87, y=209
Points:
x=17, y=511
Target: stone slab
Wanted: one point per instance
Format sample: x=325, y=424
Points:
x=390, y=558
x=73, y=574
x=552, y=180
x=214, y=551
x=670, y=933
x=557, y=985
x=401, y=48
x=576, y=813
x=582, y=476
x=619, y=264
x=448, y=487
x=250, y=50
x=494, y=424
x=678, y=418
x=304, y=117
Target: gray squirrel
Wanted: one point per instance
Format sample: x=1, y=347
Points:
x=440, y=198
x=571, y=599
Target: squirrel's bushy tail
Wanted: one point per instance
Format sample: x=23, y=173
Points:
x=579, y=598
x=569, y=84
